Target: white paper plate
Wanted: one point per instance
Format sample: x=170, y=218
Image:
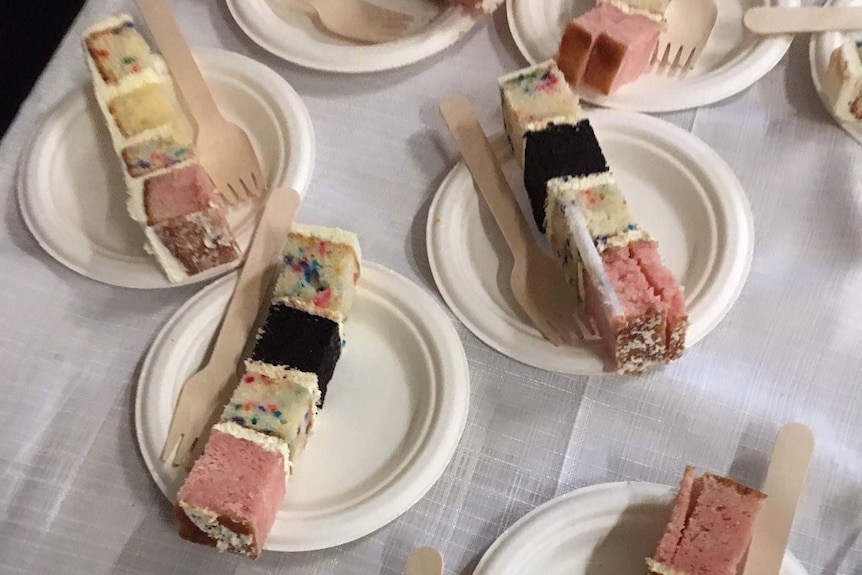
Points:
x=70, y=185
x=291, y=30
x=394, y=412
x=680, y=190
x=733, y=60
x=820, y=50
x=599, y=530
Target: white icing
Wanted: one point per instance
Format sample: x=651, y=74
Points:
x=269, y=443
x=306, y=380
x=332, y=235
x=652, y=9
x=224, y=538
x=657, y=568
x=842, y=82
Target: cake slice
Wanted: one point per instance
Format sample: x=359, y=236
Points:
x=710, y=527
x=232, y=494
x=841, y=84
x=634, y=301
x=320, y=267
x=547, y=130
x=607, y=47
x=277, y=402
x=169, y=195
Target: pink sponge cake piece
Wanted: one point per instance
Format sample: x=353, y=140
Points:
x=666, y=286
x=232, y=495
x=622, y=53
x=580, y=38
x=177, y=193
x=709, y=529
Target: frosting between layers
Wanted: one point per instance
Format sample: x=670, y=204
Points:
x=657, y=568
x=269, y=443
x=225, y=539
x=305, y=379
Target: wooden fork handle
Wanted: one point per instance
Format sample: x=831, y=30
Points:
x=486, y=171
x=181, y=64
x=784, y=20
x=268, y=241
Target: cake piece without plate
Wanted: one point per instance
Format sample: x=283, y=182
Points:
x=155, y=154
x=118, y=50
x=710, y=527
x=547, y=130
x=232, y=494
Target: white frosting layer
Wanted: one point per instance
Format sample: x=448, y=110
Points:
x=333, y=235
x=306, y=380
x=224, y=538
x=653, y=9
x=657, y=568
x=842, y=82
x=267, y=442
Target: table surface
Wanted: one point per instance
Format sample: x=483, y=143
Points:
x=75, y=496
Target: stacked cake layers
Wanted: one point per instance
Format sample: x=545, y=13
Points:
x=234, y=490
x=633, y=299
x=710, y=527
x=169, y=193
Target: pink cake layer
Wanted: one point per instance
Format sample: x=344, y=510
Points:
x=673, y=533
x=239, y=481
x=637, y=338
x=719, y=520
x=580, y=38
x=666, y=286
x=177, y=193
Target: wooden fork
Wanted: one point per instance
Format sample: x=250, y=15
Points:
x=358, y=20
x=688, y=26
x=205, y=392
x=537, y=280
x=222, y=147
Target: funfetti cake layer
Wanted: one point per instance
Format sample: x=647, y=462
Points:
x=294, y=339
x=842, y=82
x=710, y=527
x=320, y=268
x=152, y=137
x=283, y=406
x=118, y=50
x=232, y=494
x=156, y=154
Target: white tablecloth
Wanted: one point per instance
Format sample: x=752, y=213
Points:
x=75, y=496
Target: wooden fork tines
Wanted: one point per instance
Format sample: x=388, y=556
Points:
x=688, y=26
x=356, y=20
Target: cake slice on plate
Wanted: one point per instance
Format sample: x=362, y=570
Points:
x=710, y=527
x=169, y=194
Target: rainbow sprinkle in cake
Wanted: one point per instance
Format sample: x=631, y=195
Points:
x=152, y=138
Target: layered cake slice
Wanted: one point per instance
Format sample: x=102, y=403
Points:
x=548, y=132
x=634, y=301
x=320, y=267
x=169, y=195
x=710, y=527
x=607, y=47
x=232, y=494
x=277, y=402
x=841, y=84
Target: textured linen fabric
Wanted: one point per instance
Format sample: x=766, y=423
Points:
x=75, y=496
